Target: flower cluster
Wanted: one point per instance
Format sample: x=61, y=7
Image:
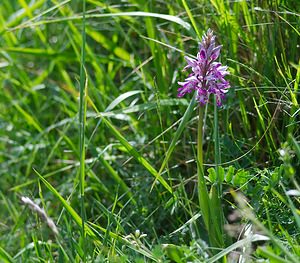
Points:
x=207, y=75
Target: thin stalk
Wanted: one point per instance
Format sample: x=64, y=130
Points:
x=202, y=190
x=218, y=194
x=217, y=145
x=82, y=121
x=200, y=138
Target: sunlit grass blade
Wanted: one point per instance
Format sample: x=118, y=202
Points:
x=56, y=6
x=117, y=178
x=134, y=153
x=296, y=146
x=29, y=118
x=248, y=213
x=18, y=16
x=82, y=123
x=77, y=219
x=272, y=257
x=236, y=245
x=107, y=44
x=5, y=256
x=186, y=117
x=190, y=15
x=170, y=18
x=111, y=106
x=32, y=51
x=143, y=107
x=71, y=211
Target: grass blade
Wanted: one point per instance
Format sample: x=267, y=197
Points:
x=5, y=256
x=236, y=245
x=65, y=204
x=186, y=117
x=134, y=153
x=170, y=18
x=82, y=122
x=190, y=15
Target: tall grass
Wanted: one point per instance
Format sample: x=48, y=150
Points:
x=92, y=131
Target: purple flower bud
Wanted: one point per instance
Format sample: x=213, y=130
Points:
x=191, y=62
x=216, y=52
x=202, y=96
x=207, y=76
x=203, y=54
x=187, y=87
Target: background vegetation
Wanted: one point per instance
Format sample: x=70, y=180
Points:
x=127, y=59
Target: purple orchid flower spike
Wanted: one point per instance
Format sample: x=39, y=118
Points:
x=207, y=75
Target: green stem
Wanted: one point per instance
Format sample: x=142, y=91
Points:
x=202, y=190
x=217, y=145
x=82, y=120
x=200, y=137
x=218, y=195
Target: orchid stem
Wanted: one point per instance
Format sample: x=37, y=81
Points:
x=200, y=137
x=202, y=190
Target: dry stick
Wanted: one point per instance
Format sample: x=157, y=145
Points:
x=41, y=212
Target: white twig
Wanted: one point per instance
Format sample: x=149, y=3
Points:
x=41, y=212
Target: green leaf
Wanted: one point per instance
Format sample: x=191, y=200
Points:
x=174, y=252
x=221, y=173
x=240, y=178
x=216, y=221
x=212, y=174
x=229, y=174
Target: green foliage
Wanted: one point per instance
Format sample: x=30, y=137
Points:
x=125, y=142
